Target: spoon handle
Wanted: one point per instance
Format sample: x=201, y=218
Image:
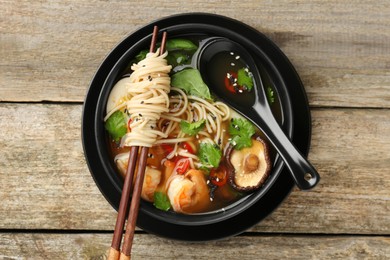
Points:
x=303, y=172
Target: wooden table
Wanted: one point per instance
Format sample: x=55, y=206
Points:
x=52, y=209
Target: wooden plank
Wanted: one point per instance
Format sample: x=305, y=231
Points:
x=94, y=246
x=341, y=50
x=44, y=181
x=350, y=148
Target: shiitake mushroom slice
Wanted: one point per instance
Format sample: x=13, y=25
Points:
x=248, y=168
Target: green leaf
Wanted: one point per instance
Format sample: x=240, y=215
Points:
x=178, y=58
x=210, y=154
x=241, y=132
x=241, y=142
x=161, y=201
x=270, y=95
x=245, y=79
x=191, y=128
x=116, y=125
x=191, y=82
x=180, y=44
x=141, y=55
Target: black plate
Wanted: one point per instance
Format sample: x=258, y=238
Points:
x=301, y=131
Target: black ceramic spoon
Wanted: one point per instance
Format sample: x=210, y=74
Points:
x=258, y=110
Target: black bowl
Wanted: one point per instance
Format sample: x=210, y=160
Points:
x=274, y=67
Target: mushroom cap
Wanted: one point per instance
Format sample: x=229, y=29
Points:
x=249, y=167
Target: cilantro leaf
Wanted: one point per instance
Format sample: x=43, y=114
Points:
x=210, y=154
x=191, y=128
x=241, y=131
x=191, y=82
x=244, y=78
x=270, y=95
x=241, y=142
x=161, y=201
x=116, y=125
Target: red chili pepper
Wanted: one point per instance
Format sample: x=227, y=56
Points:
x=231, y=82
x=175, y=159
x=182, y=166
x=218, y=176
x=128, y=124
x=167, y=148
x=188, y=147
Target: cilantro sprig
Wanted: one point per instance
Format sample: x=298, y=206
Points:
x=270, y=95
x=192, y=128
x=209, y=154
x=244, y=79
x=241, y=132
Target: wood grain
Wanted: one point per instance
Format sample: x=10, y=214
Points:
x=340, y=49
x=44, y=181
x=94, y=246
x=52, y=209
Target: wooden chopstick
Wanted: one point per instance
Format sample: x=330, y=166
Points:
x=123, y=205
x=135, y=201
x=134, y=206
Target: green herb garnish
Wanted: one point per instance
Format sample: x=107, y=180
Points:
x=241, y=132
x=210, y=154
x=191, y=82
x=116, y=125
x=244, y=78
x=270, y=95
x=161, y=201
x=177, y=58
x=192, y=128
x=141, y=55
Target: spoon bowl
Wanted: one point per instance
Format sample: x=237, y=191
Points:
x=254, y=106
